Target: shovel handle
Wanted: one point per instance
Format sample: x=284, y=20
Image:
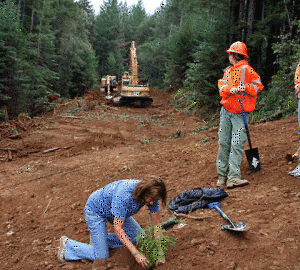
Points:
x=245, y=122
x=224, y=215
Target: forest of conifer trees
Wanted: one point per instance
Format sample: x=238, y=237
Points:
x=62, y=47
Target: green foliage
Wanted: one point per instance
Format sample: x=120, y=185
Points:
x=180, y=50
x=44, y=49
x=75, y=57
x=200, y=82
x=62, y=47
x=280, y=95
x=109, y=41
x=154, y=249
x=152, y=59
x=12, y=58
x=186, y=100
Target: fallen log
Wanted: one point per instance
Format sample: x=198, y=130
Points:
x=15, y=136
x=51, y=150
x=47, y=206
x=273, y=117
x=109, y=107
x=68, y=147
x=69, y=116
x=9, y=155
x=193, y=217
x=10, y=149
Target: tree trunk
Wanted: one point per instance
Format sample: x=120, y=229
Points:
x=251, y=12
x=181, y=19
x=242, y=13
x=19, y=8
x=32, y=16
x=229, y=19
x=288, y=16
x=39, y=38
x=6, y=119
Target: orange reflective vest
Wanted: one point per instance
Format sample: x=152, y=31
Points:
x=237, y=75
x=297, y=75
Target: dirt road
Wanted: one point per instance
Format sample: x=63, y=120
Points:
x=42, y=194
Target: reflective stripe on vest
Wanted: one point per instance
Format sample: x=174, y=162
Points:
x=253, y=82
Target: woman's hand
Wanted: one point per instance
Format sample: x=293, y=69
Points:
x=161, y=261
x=141, y=260
x=157, y=232
x=124, y=239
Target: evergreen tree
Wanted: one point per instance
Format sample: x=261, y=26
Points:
x=75, y=56
x=137, y=15
x=210, y=57
x=109, y=37
x=12, y=58
x=154, y=53
x=280, y=95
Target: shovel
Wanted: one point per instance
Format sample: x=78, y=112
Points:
x=239, y=227
x=252, y=153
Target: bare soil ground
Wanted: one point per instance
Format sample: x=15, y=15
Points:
x=43, y=194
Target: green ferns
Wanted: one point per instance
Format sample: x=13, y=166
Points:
x=154, y=249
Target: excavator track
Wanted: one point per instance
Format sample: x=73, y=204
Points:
x=135, y=102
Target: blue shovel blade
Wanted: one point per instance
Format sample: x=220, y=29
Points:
x=239, y=227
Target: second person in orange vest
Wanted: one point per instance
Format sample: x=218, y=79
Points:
x=239, y=81
x=296, y=171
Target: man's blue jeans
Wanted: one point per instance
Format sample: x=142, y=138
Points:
x=232, y=137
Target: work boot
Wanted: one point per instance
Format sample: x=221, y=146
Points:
x=62, y=248
x=295, y=171
x=221, y=181
x=236, y=182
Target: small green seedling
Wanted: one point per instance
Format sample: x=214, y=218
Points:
x=154, y=248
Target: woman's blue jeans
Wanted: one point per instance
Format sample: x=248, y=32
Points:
x=101, y=240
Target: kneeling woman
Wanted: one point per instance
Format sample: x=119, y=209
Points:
x=115, y=203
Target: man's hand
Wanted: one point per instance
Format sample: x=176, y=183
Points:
x=297, y=89
x=141, y=260
x=241, y=89
x=227, y=68
x=237, y=90
x=233, y=91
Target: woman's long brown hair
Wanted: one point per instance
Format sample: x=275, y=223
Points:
x=153, y=188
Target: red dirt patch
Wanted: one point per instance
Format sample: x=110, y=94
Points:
x=43, y=194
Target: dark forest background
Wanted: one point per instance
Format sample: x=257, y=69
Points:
x=62, y=47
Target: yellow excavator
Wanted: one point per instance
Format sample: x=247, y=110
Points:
x=109, y=84
x=132, y=91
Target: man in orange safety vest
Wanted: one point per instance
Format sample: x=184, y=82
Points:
x=239, y=81
x=296, y=171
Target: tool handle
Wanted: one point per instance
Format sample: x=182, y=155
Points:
x=169, y=222
x=221, y=212
x=224, y=215
x=245, y=121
